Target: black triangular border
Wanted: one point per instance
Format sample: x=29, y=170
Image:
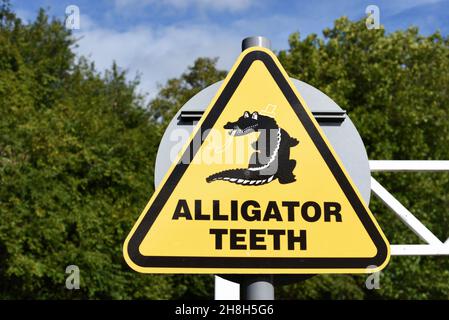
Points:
x=256, y=262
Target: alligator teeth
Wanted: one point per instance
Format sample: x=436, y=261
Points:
x=270, y=179
x=233, y=179
x=240, y=132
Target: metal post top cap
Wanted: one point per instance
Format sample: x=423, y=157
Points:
x=256, y=41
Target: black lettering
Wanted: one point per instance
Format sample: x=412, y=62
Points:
x=332, y=209
x=272, y=212
x=276, y=238
x=182, y=210
x=216, y=211
x=234, y=210
x=254, y=239
x=291, y=208
x=316, y=212
x=198, y=212
x=255, y=213
x=218, y=237
x=301, y=239
x=235, y=237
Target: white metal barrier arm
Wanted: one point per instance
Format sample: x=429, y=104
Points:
x=434, y=246
x=408, y=165
x=419, y=250
x=406, y=216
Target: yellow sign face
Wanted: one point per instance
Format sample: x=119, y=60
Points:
x=257, y=189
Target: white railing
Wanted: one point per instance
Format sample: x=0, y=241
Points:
x=229, y=290
x=433, y=246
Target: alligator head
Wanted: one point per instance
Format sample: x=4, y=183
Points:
x=248, y=123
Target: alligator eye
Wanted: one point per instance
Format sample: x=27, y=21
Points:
x=246, y=114
x=254, y=115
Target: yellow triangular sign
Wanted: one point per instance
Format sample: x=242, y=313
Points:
x=257, y=189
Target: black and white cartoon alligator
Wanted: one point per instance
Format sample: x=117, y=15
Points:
x=271, y=159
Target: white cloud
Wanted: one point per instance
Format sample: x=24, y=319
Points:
x=215, y=5
x=162, y=52
x=157, y=53
x=25, y=15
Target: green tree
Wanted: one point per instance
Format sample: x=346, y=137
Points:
x=178, y=91
x=77, y=155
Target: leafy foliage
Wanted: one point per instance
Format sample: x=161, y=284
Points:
x=77, y=152
x=176, y=92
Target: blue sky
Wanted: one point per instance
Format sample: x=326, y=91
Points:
x=160, y=38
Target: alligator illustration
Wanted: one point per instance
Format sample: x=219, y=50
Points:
x=271, y=159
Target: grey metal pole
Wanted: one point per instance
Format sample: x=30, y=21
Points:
x=256, y=287
x=256, y=41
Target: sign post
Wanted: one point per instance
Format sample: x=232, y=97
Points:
x=256, y=287
x=258, y=190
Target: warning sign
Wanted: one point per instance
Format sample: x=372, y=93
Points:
x=257, y=189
